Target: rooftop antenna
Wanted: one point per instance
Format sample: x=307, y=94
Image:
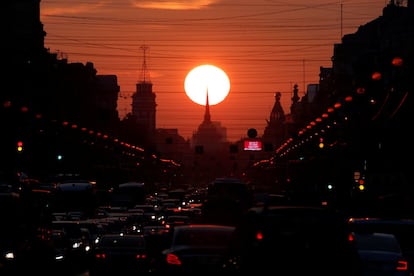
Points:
x=145, y=76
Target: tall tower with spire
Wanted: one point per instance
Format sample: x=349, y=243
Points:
x=143, y=101
x=274, y=132
x=210, y=135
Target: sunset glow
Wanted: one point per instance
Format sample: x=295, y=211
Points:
x=207, y=79
x=265, y=46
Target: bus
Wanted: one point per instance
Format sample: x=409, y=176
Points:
x=76, y=196
x=128, y=195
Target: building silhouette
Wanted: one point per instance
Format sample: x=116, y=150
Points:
x=366, y=97
x=353, y=127
x=47, y=83
x=210, y=136
x=48, y=102
x=144, y=105
x=274, y=132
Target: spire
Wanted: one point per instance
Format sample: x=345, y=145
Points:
x=207, y=117
x=295, y=97
x=145, y=76
x=277, y=114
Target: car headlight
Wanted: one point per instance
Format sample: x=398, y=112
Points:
x=9, y=255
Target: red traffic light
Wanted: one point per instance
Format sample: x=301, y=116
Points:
x=19, y=146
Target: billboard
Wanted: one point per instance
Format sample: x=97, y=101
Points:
x=253, y=144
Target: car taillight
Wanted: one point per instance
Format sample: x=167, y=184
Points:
x=259, y=235
x=141, y=256
x=402, y=265
x=100, y=256
x=173, y=259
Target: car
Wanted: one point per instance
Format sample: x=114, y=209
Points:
x=402, y=228
x=175, y=220
x=44, y=256
x=120, y=253
x=226, y=200
x=293, y=240
x=380, y=254
x=196, y=248
x=9, y=253
x=74, y=237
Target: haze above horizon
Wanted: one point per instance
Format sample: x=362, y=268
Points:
x=264, y=47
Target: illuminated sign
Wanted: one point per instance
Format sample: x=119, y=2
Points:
x=253, y=144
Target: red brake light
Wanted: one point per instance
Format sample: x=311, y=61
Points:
x=402, y=265
x=259, y=235
x=173, y=259
x=100, y=256
x=140, y=256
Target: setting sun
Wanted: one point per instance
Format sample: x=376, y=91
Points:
x=207, y=78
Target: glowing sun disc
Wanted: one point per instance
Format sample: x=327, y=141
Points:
x=205, y=79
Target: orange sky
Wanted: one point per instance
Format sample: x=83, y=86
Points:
x=265, y=46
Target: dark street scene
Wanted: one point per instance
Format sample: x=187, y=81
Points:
x=97, y=178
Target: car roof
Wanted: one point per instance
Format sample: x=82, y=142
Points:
x=378, y=220
x=74, y=186
x=173, y=217
x=204, y=226
x=122, y=236
x=297, y=211
x=122, y=240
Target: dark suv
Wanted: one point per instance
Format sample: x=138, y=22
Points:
x=293, y=240
x=402, y=228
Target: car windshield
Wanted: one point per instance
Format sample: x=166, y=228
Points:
x=377, y=242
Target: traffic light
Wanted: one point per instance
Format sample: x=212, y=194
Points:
x=19, y=146
x=361, y=184
x=359, y=181
x=330, y=186
x=321, y=143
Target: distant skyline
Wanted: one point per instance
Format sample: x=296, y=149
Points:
x=264, y=47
